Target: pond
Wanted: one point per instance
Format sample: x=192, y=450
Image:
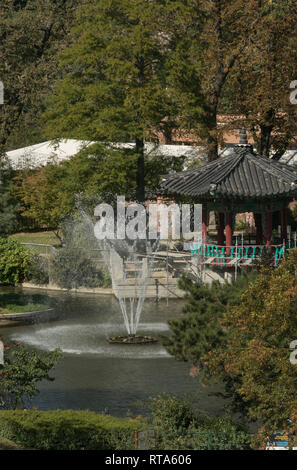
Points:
x=103, y=377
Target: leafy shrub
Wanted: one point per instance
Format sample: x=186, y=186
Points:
x=218, y=434
x=38, y=271
x=23, y=369
x=72, y=268
x=67, y=430
x=179, y=427
x=170, y=414
x=15, y=262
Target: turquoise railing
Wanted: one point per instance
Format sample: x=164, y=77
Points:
x=223, y=256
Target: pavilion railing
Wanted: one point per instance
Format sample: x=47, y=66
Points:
x=237, y=254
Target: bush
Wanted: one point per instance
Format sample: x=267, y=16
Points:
x=179, y=427
x=218, y=434
x=72, y=268
x=170, y=414
x=15, y=261
x=38, y=271
x=21, y=373
x=67, y=430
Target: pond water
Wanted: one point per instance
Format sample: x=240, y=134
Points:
x=99, y=376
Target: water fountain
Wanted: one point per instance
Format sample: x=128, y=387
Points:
x=130, y=291
x=122, y=259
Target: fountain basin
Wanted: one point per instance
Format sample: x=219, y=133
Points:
x=132, y=339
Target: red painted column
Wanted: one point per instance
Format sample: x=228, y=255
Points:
x=268, y=228
x=228, y=232
x=284, y=225
x=204, y=225
x=259, y=229
x=221, y=225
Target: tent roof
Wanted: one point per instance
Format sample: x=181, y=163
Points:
x=45, y=152
x=55, y=152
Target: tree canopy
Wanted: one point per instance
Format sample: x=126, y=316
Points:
x=256, y=355
x=9, y=205
x=33, y=32
x=114, y=88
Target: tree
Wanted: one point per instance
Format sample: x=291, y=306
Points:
x=228, y=46
x=32, y=33
x=200, y=330
x=179, y=426
x=8, y=204
x=114, y=88
x=258, y=88
x=256, y=356
x=15, y=262
x=41, y=200
x=22, y=371
x=49, y=194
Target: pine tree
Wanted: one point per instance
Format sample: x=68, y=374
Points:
x=114, y=89
x=199, y=330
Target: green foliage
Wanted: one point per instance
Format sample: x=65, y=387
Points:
x=219, y=434
x=114, y=87
x=170, y=413
x=22, y=371
x=99, y=172
x=73, y=268
x=199, y=330
x=74, y=265
x=68, y=430
x=15, y=261
x=8, y=204
x=33, y=33
x=179, y=426
x=38, y=270
x=255, y=360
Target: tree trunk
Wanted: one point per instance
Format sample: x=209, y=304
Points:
x=266, y=129
x=212, y=133
x=140, y=182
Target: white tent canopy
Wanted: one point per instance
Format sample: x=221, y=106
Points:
x=55, y=152
x=44, y=153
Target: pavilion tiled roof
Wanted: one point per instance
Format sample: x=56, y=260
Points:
x=241, y=174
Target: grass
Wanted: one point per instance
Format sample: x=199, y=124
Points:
x=40, y=238
x=11, y=303
x=44, y=238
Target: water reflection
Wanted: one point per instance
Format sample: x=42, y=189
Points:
x=96, y=375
